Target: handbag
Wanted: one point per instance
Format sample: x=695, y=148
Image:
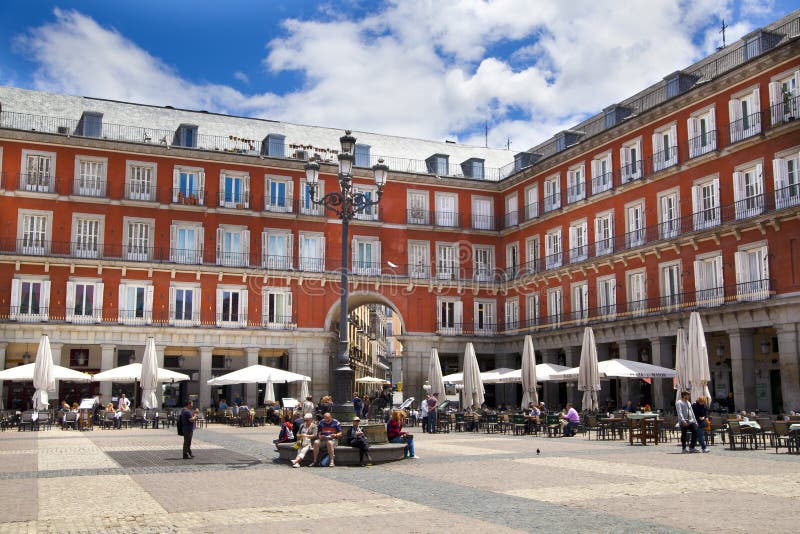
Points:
x=180, y=428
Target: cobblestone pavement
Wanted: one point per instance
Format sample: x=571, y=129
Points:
x=136, y=481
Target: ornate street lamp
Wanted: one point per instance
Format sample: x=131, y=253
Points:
x=346, y=204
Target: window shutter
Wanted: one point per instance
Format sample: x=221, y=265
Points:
x=376, y=256
x=218, y=309
x=734, y=111
x=612, y=296
x=264, y=306
x=458, y=313
x=717, y=200
x=246, y=191
x=738, y=186
x=700, y=282
x=775, y=100
x=475, y=315
x=220, y=238
x=121, y=303
x=321, y=252
x=780, y=174
x=199, y=233
x=742, y=276
x=176, y=183
x=764, y=264
x=719, y=280
x=243, y=307
x=697, y=203
x=756, y=103
x=289, y=195
x=264, y=248
x=624, y=156
x=99, y=288
x=171, y=319
x=196, y=307
x=712, y=122
x=44, y=300
x=354, y=253
x=289, y=250
x=70, y=301
x=673, y=141
x=245, y=248
x=693, y=125
x=148, y=304
x=657, y=143
x=573, y=237
x=173, y=242
x=287, y=304
x=201, y=187
x=125, y=239
x=221, y=195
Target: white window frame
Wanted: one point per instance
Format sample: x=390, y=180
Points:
x=133, y=251
x=513, y=262
x=362, y=265
x=579, y=300
x=576, y=183
x=578, y=241
x=553, y=249
x=17, y=285
x=631, y=160
x=670, y=275
x=784, y=96
x=127, y=316
x=748, y=189
x=195, y=196
x=636, y=291
x=96, y=315
x=443, y=217
x=484, y=317
x=242, y=201
x=233, y=258
x=453, y=316
x=607, y=296
x=555, y=304
x=38, y=181
x=483, y=263
x=39, y=242
x=532, y=311
x=273, y=204
x=665, y=147
x=752, y=271
x=276, y=297
x=371, y=192
x=80, y=246
x=786, y=176
x=552, y=192
x=482, y=213
x=669, y=214
x=192, y=255
x=708, y=279
x=602, y=175
x=512, y=210
x=604, y=233
x=307, y=207
x=418, y=202
x=742, y=126
x=194, y=319
x=702, y=130
x=87, y=185
x=311, y=260
x=635, y=225
x=419, y=259
x=706, y=214
x=511, y=315
x=533, y=254
x=280, y=262
x=241, y=319
x=135, y=187
x=447, y=265
x=531, y=202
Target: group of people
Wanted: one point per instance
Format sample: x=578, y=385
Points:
x=428, y=412
x=693, y=419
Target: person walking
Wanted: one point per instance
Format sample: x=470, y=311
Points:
x=687, y=422
x=700, y=409
x=186, y=428
x=423, y=413
x=358, y=404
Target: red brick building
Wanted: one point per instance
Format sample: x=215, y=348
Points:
x=121, y=221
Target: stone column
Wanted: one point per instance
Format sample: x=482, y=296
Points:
x=628, y=387
x=550, y=389
x=2, y=366
x=789, y=354
x=160, y=364
x=205, y=375
x=55, y=349
x=251, y=390
x=106, y=363
x=573, y=355
x=743, y=366
x=663, y=392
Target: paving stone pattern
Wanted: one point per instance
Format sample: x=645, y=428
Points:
x=63, y=481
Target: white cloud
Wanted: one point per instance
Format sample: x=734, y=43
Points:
x=416, y=68
x=241, y=76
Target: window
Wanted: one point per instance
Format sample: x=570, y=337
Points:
x=665, y=148
x=276, y=249
x=186, y=242
x=278, y=196
x=361, y=153
x=786, y=173
x=702, y=133
x=580, y=301
x=601, y=173
x=552, y=193
x=473, y=168
x=554, y=305
x=783, y=97
x=483, y=263
x=552, y=249
x=604, y=233
x=607, y=296
x=576, y=183
x=532, y=202
x=312, y=252
x=234, y=190
x=748, y=191
x=366, y=256
x=708, y=281
x=533, y=262
x=38, y=171
x=233, y=246
x=446, y=209
x=482, y=214
x=637, y=291
x=438, y=164
x=668, y=215
x=34, y=231
x=418, y=207
x=671, y=285
x=512, y=313
x=231, y=306
x=512, y=211
x=484, y=317
x=135, y=302
x=532, y=309
x=188, y=186
x=30, y=299
x=184, y=304
x=635, y=229
x=705, y=204
x=87, y=235
x=419, y=260
x=84, y=301
x=446, y=261
x=450, y=315
x=276, y=309
x=307, y=206
x=631, y=163
x=90, y=177
x=140, y=183
x=744, y=113
x=186, y=136
x=137, y=242
x=370, y=193
x=512, y=260
x=578, y=241
x=752, y=272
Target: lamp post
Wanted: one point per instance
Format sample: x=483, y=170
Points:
x=346, y=204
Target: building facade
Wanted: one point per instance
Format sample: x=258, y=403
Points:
x=122, y=221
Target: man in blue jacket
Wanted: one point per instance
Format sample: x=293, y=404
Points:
x=186, y=426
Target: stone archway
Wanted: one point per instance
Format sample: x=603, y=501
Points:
x=357, y=299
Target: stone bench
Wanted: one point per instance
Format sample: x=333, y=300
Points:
x=346, y=455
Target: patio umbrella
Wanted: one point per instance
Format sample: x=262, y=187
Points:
x=681, y=363
x=699, y=373
x=269, y=392
x=303, y=390
x=497, y=376
x=435, y=373
x=257, y=374
x=454, y=378
x=24, y=373
x=43, y=377
x=371, y=380
x=473, y=386
x=588, y=374
x=133, y=373
x=149, y=375
x=528, y=373
x=619, y=368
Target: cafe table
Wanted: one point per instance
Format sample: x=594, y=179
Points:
x=643, y=428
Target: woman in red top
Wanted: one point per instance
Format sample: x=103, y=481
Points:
x=394, y=431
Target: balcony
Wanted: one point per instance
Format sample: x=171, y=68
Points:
x=32, y=313
x=484, y=222
x=139, y=191
x=234, y=200
x=306, y=207
x=579, y=253
x=787, y=110
x=552, y=202
x=632, y=171
x=553, y=261
x=664, y=159
x=604, y=246
x=447, y=219
x=744, y=128
x=531, y=211
x=576, y=192
x=186, y=256
x=276, y=262
x=511, y=219
x=277, y=203
x=279, y=322
x=135, y=317
x=84, y=187
x=188, y=197
x=228, y=258
x=418, y=216
x=601, y=183
x=702, y=144
x=635, y=238
x=366, y=268
x=37, y=182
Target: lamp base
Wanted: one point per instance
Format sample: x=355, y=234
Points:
x=342, y=394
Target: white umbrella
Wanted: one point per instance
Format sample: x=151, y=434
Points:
x=257, y=374
x=43, y=377
x=618, y=368
x=269, y=392
x=588, y=375
x=24, y=373
x=303, y=390
x=435, y=373
x=699, y=373
x=455, y=378
x=497, y=376
x=371, y=380
x=473, y=386
x=528, y=373
x=681, y=363
x=133, y=373
x=545, y=372
x=149, y=375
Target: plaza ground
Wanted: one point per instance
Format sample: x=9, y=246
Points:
x=135, y=481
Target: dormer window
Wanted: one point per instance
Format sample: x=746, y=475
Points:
x=473, y=168
x=362, y=155
x=91, y=124
x=438, y=164
x=274, y=145
x=186, y=136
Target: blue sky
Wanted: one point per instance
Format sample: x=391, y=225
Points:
x=427, y=68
